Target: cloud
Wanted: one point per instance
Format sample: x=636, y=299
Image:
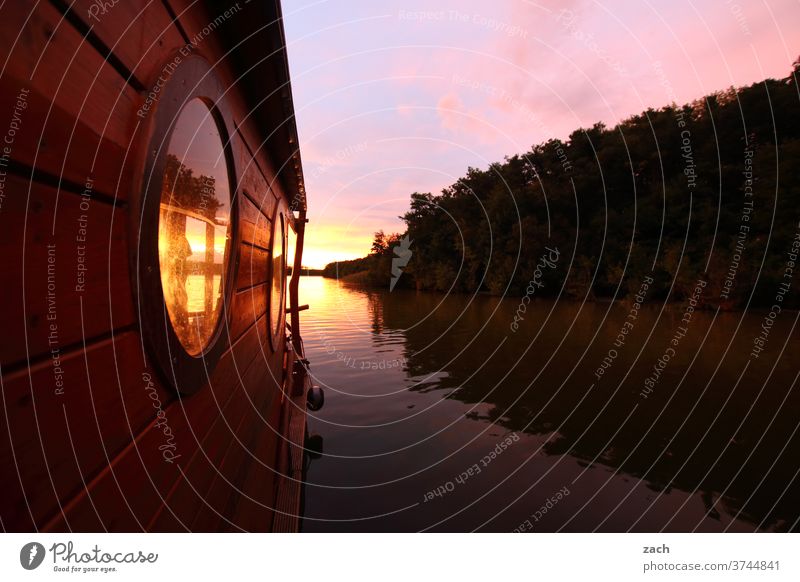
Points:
x=457, y=119
x=448, y=108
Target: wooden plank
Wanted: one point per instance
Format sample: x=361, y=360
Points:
x=260, y=184
x=198, y=23
x=251, y=506
x=198, y=499
x=140, y=36
x=214, y=514
x=253, y=266
x=187, y=497
x=15, y=513
x=59, y=251
x=254, y=432
x=140, y=476
x=251, y=180
x=80, y=115
x=255, y=228
x=190, y=494
x=247, y=307
x=61, y=440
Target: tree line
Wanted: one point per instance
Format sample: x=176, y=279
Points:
x=706, y=190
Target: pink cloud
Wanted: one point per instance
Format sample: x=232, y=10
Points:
x=456, y=118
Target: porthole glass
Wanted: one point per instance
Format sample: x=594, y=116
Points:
x=277, y=301
x=194, y=227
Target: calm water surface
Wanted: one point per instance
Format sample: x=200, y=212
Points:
x=439, y=417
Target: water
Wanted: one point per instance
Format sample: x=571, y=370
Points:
x=196, y=292
x=439, y=417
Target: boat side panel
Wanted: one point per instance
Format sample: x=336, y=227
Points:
x=118, y=450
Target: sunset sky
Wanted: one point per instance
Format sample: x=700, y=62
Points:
x=394, y=97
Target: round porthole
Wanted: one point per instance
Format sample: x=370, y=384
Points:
x=194, y=227
x=277, y=300
x=187, y=228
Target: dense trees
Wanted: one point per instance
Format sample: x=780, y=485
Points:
x=708, y=189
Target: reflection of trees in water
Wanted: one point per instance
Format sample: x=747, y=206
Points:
x=375, y=305
x=577, y=407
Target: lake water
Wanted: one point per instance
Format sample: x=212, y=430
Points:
x=196, y=291
x=440, y=417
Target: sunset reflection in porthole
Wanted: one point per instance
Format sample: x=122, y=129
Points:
x=194, y=227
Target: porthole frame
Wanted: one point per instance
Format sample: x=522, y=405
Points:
x=278, y=220
x=192, y=78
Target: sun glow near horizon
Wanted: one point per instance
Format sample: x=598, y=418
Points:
x=328, y=243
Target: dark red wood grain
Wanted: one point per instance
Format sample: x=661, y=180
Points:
x=91, y=456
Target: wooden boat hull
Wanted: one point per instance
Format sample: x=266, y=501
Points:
x=98, y=431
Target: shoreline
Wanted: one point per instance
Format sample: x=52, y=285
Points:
x=357, y=280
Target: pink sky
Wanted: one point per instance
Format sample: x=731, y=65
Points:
x=393, y=97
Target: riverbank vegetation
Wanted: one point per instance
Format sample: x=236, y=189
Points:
x=707, y=190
